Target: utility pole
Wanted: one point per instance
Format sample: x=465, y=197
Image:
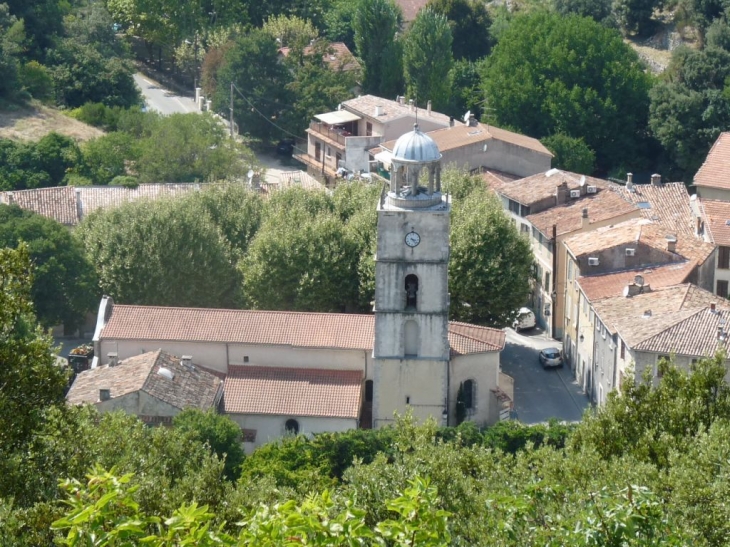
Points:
x=231, y=111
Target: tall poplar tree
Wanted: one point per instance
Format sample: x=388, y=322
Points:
x=376, y=25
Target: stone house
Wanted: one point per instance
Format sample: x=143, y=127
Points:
x=712, y=180
x=154, y=386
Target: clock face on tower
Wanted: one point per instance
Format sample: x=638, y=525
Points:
x=412, y=239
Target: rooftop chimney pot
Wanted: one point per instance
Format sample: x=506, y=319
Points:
x=113, y=358
x=656, y=180
x=428, y=107
x=713, y=306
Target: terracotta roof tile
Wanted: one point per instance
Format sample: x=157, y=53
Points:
x=92, y=198
x=667, y=204
x=695, y=335
x=602, y=206
x=58, y=203
x=541, y=186
x=338, y=55
x=639, y=231
x=293, y=391
x=715, y=171
x=495, y=178
x=716, y=214
x=598, y=287
x=188, y=388
x=300, y=329
x=449, y=138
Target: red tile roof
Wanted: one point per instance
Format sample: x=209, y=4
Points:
x=541, y=186
x=187, y=388
x=58, y=203
x=300, y=329
x=716, y=214
x=597, y=287
x=410, y=8
x=715, y=171
x=338, y=55
x=667, y=204
x=602, y=206
x=293, y=392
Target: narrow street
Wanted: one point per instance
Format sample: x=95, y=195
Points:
x=163, y=100
x=540, y=394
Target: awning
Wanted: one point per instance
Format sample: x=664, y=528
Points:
x=337, y=117
x=384, y=157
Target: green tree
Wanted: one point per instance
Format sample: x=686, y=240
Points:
x=106, y=157
x=167, y=252
x=469, y=22
x=290, y=31
x=491, y=264
x=338, y=22
x=570, y=153
x=427, y=58
x=217, y=431
x=43, y=22
x=64, y=283
x=691, y=107
x=376, y=24
x=30, y=380
x=598, y=10
x=297, y=262
x=550, y=74
x=718, y=35
x=38, y=164
x=252, y=64
x=36, y=80
x=318, y=86
x=189, y=148
x=12, y=36
x=635, y=16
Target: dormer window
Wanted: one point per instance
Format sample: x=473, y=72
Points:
x=411, y=287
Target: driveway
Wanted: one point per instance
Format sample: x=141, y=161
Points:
x=540, y=394
x=163, y=100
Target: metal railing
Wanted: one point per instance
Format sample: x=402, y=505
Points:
x=337, y=135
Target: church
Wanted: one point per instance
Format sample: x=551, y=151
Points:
x=295, y=372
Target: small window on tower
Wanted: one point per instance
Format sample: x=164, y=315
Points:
x=411, y=292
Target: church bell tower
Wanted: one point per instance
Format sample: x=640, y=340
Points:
x=411, y=350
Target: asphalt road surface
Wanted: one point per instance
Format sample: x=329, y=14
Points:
x=163, y=100
x=540, y=394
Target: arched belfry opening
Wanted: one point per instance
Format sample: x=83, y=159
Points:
x=411, y=291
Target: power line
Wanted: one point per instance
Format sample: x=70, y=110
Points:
x=264, y=116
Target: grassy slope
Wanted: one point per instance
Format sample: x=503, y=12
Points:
x=34, y=121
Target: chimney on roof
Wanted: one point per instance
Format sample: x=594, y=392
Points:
x=187, y=362
x=113, y=358
x=472, y=121
x=451, y=121
x=561, y=193
x=428, y=107
x=630, y=182
x=647, y=314
x=671, y=243
x=378, y=111
x=713, y=306
x=105, y=394
x=656, y=180
x=633, y=288
x=410, y=104
x=584, y=218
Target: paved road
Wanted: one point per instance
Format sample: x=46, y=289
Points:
x=540, y=394
x=164, y=101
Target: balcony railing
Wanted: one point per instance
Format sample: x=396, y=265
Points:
x=337, y=135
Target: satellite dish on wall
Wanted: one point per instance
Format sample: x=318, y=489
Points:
x=582, y=180
x=485, y=147
x=467, y=116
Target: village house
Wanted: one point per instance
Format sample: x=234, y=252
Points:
x=712, y=180
x=547, y=208
x=477, y=147
x=154, y=386
x=599, y=263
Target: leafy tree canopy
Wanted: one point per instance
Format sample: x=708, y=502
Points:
x=550, y=74
x=64, y=282
x=570, y=154
x=469, y=21
x=427, y=59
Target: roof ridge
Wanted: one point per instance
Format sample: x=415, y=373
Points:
x=235, y=310
x=149, y=372
x=692, y=312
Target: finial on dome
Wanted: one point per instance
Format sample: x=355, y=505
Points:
x=415, y=126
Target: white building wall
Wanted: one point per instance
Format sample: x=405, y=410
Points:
x=218, y=355
x=409, y=383
x=482, y=368
x=272, y=427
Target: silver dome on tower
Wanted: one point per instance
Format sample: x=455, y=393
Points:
x=416, y=147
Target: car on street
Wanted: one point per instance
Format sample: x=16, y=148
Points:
x=551, y=357
x=285, y=147
x=525, y=320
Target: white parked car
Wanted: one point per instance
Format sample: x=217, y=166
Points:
x=525, y=320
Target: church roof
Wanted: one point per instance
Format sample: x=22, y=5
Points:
x=298, y=329
x=293, y=391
